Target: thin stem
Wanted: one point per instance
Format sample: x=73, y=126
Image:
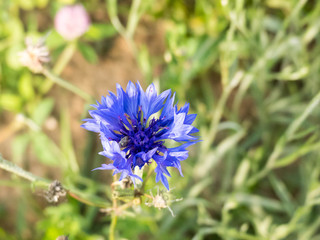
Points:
x=45, y=183
x=133, y=18
x=127, y=34
x=280, y=144
x=13, y=168
x=67, y=85
x=217, y=114
x=61, y=63
x=114, y=219
x=150, y=170
x=112, y=11
x=64, y=58
x=114, y=216
x=85, y=201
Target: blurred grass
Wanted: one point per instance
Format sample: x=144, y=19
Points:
x=250, y=70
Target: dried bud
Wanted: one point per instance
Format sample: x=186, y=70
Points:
x=35, y=55
x=126, y=183
x=72, y=21
x=123, y=184
x=55, y=191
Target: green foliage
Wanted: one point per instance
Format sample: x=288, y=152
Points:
x=99, y=31
x=88, y=53
x=65, y=219
x=250, y=70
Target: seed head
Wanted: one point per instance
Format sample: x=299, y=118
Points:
x=55, y=191
x=161, y=200
x=35, y=55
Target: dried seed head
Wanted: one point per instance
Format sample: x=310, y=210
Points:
x=161, y=200
x=126, y=183
x=55, y=191
x=123, y=184
x=35, y=55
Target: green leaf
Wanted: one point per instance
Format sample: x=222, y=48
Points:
x=4, y=235
x=25, y=86
x=66, y=141
x=99, y=31
x=45, y=150
x=26, y=4
x=12, y=56
x=42, y=3
x=19, y=146
x=252, y=200
x=42, y=111
x=54, y=40
x=21, y=222
x=88, y=52
x=10, y=102
x=14, y=29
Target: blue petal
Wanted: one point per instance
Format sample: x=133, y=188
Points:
x=160, y=176
x=110, y=135
x=91, y=125
x=150, y=102
x=179, y=131
x=131, y=102
x=168, y=109
x=118, y=115
x=104, y=167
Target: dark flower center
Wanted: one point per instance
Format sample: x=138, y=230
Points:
x=138, y=138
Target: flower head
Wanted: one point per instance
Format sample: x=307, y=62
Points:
x=72, y=21
x=132, y=136
x=35, y=55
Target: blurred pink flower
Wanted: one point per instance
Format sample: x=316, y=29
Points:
x=72, y=21
x=35, y=55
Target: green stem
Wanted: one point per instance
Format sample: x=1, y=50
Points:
x=64, y=58
x=114, y=216
x=150, y=171
x=133, y=18
x=114, y=219
x=67, y=85
x=41, y=182
x=61, y=63
x=216, y=117
x=112, y=11
x=13, y=168
x=281, y=143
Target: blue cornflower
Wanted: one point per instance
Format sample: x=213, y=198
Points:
x=132, y=135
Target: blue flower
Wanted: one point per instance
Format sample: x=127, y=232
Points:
x=132, y=134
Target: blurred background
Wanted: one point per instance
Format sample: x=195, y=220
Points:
x=249, y=69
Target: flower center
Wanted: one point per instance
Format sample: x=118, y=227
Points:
x=138, y=139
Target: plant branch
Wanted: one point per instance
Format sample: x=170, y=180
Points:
x=13, y=168
x=67, y=85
